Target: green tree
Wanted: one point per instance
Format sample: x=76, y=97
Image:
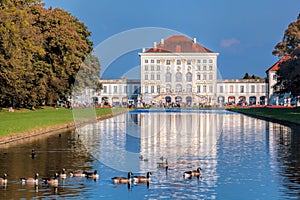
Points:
x=289, y=70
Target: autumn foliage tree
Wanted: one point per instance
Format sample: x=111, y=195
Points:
x=41, y=51
x=289, y=70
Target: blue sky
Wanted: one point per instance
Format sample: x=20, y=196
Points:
x=243, y=32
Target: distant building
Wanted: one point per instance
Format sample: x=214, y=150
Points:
x=179, y=70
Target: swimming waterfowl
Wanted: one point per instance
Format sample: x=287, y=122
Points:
x=52, y=180
x=32, y=153
x=163, y=164
x=93, y=175
x=189, y=174
x=31, y=180
x=3, y=179
x=78, y=174
x=142, y=179
x=123, y=179
x=63, y=174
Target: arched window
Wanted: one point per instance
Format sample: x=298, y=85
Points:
x=168, y=88
x=188, y=77
x=168, y=77
x=178, y=77
x=178, y=88
x=189, y=88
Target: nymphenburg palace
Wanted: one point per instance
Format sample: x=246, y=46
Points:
x=180, y=71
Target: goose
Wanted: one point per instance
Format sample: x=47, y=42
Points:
x=142, y=179
x=3, y=179
x=63, y=174
x=189, y=174
x=31, y=180
x=93, y=175
x=123, y=179
x=78, y=174
x=32, y=153
x=51, y=181
x=162, y=164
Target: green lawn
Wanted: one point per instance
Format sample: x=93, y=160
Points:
x=284, y=114
x=25, y=120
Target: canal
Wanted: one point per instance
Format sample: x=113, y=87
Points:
x=240, y=157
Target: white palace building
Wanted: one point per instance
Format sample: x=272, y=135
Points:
x=180, y=71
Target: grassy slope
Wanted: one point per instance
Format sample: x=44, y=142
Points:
x=283, y=114
x=25, y=120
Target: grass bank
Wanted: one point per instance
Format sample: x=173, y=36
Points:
x=22, y=121
x=283, y=115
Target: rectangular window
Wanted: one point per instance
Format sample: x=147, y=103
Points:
x=204, y=88
x=146, y=61
x=263, y=88
x=135, y=89
x=252, y=88
x=152, y=67
x=204, y=76
x=198, y=88
x=198, y=77
x=210, y=61
x=152, y=89
x=152, y=77
x=168, y=62
x=104, y=89
x=158, y=77
x=221, y=89
x=242, y=89
x=189, y=62
x=146, y=67
x=158, y=68
x=115, y=89
x=146, y=76
x=210, y=67
x=210, y=89
x=231, y=88
x=210, y=77
x=204, y=68
x=158, y=89
x=125, y=89
x=146, y=89
x=198, y=61
x=157, y=61
x=198, y=67
x=152, y=61
x=204, y=61
x=178, y=62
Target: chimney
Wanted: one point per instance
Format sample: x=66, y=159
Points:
x=195, y=40
x=154, y=45
x=144, y=50
x=162, y=41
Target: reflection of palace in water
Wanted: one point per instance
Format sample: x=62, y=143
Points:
x=189, y=139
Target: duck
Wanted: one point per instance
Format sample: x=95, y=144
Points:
x=142, y=179
x=31, y=180
x=189, y=174
x=117, y=180
x=77, y=174
x=52, y=180
x=63, y=174
x=3, y=179
x=93, y=175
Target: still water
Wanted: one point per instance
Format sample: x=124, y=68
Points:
x=241, y=158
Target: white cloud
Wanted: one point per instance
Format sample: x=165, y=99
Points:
x=229, y=42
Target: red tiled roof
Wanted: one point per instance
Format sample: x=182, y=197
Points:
x=179, y=43
x=275, y=67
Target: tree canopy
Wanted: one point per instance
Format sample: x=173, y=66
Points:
x=247, y=76
x=41, y=51
x=289, y=71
